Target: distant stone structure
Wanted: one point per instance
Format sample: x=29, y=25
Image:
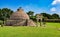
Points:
x=19, y=18
x=39, y=18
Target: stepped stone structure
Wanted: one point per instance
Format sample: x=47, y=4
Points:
x=19, y=18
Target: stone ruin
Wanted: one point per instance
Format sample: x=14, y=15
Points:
x=39, y=18
x=19, y=18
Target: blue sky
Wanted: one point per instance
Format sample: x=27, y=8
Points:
x=38, y=6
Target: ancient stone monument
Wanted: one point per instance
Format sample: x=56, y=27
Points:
x=39, y=18
x=19, y=18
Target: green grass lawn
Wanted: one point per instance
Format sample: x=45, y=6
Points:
x=51, y=30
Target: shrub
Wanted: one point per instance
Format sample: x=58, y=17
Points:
x=1, y=23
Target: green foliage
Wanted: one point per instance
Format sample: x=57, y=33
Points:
x=1, y=23
x=30, y=13
x=55, y=16
x=33, y=18
x=47, y=15
x=5, y=13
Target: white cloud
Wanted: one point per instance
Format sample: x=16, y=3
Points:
x=53, y=9
x=55, y=2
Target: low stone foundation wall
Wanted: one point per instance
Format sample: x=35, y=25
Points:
x=21, y=22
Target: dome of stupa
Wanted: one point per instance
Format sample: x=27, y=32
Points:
x=19, y=14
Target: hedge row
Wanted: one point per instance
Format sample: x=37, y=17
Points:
x=52, y=20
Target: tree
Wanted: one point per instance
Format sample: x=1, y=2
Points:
x=47, y=15
x=55, y=16
x=5, y=13
x=30, y=13
x=1, y=22
x=0, y=14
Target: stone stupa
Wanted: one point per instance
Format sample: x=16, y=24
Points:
x=19, y=18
